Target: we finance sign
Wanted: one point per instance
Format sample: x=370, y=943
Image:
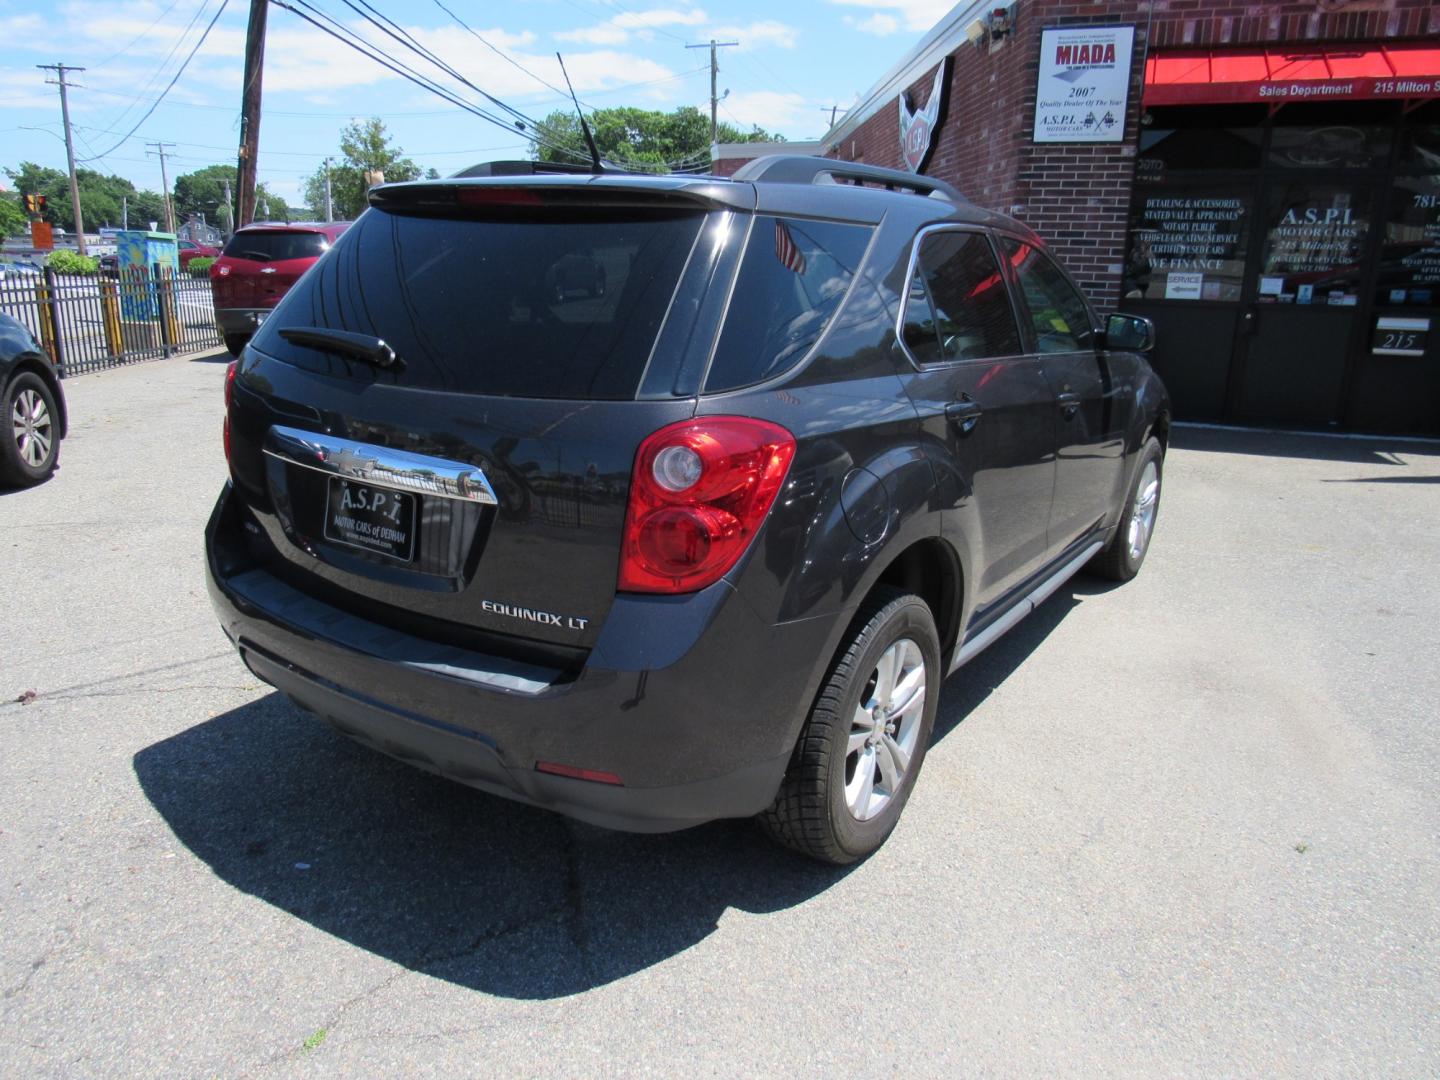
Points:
x=1084, y=84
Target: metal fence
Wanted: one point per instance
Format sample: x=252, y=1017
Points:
x=87, y=323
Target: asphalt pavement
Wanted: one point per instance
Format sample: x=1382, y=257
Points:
x=1185, y=826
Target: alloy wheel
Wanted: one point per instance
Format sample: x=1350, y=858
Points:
x=884, y=730
x=1142, y=516
x=32, y=427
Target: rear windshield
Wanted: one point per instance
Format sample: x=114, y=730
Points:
x=565, y=305
x=269, y=246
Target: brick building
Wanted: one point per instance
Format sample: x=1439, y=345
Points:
x=1269, y=193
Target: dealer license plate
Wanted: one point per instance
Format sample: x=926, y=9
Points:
x=371, y=518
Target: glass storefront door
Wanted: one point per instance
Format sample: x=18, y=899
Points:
x=1303, y=301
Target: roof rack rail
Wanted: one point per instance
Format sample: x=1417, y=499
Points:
x=798, y=169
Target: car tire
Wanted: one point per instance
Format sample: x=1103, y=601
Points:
x=30, y=447
x=235, y=343
x=828, y=807
x=1122, y=558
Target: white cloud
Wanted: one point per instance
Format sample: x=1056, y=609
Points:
x=764, y=32
x=769, y=109
x=619, y=28
x=637, y=20
x=912, y=14
x=879, y=24
x=604, y=34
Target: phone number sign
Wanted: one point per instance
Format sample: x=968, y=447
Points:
x=1084, y=84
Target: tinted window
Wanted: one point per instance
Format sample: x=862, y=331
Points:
x=958, y=307
x=271, y=246
x=792, y=278
x=561, y=304
x=1057, y=311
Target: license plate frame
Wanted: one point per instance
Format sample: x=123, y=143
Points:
x=367, y=518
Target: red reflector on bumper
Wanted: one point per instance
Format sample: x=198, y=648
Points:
x=594, y=775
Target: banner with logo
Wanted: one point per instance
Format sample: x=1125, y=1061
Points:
x=1084, y=84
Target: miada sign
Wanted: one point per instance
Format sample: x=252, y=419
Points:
x=918, y=126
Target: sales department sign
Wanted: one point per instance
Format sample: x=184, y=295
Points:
x=1084, y=84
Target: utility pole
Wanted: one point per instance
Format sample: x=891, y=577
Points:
x=165, y=180
x=60, y=70
x=124, y=211
x=329, y=205
x=228, y=207
x=714, y=70
x=250, y=112
x=832, y=110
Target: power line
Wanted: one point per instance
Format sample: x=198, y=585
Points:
x=156, y=74
x=158, y=20
x=375, y=53
x=220, y=11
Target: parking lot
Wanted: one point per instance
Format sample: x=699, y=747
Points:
x=1184, y=826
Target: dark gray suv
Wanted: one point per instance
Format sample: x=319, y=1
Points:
x=703, y=542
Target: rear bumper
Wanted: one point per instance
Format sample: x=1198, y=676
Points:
x=693, y=702
x=240, y=320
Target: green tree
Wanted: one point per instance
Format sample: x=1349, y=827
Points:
x=365, y=147
x=642, y=138
x=102, y=198
x=203, y=192
x=13, y=218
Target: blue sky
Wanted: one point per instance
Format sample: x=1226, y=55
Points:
x=794, y=61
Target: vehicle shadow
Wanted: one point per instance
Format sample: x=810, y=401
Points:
x=441, y=879
x=468, y=887
x=969, y=686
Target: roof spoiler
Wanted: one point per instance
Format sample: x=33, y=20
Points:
x=797, y=169
x=524, y=168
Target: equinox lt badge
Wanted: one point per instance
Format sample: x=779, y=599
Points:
x=548, y=618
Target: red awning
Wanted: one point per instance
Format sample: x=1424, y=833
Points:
x=1283, y=75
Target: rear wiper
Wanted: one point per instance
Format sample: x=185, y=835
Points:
x=366, y=347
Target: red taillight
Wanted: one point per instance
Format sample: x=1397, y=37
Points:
x=229, y=397
x=700, y=490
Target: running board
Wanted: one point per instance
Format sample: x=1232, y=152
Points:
x=1038, y=596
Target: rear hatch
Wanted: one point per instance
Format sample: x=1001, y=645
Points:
x=478, y=483
x=258, y=266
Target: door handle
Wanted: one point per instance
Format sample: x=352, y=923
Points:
x=963, y=415
x=1069, y=404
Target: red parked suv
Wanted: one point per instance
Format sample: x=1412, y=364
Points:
x=257, y=268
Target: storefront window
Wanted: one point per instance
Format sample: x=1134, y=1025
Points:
x=1188, y=243
x=1164, y=150
x=1333, y=135
x=1421, y=149
x=1186, y=139
x=1410, y=255
x=1314, y=243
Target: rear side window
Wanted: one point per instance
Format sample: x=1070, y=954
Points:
x=1057, y=310
x=270, y=246
x=562, y=303
x=792, y=278
x=958, y=307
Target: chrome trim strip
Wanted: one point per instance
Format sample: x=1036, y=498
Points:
x=379, y=465
x=1037, y=596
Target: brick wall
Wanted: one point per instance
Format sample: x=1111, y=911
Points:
x=1077, y=196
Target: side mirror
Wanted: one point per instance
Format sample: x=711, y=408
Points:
x=1132, y=333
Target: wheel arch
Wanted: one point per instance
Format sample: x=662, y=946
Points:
x=930, y=568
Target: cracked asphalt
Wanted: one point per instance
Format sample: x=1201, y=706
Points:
x=1185, y=826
